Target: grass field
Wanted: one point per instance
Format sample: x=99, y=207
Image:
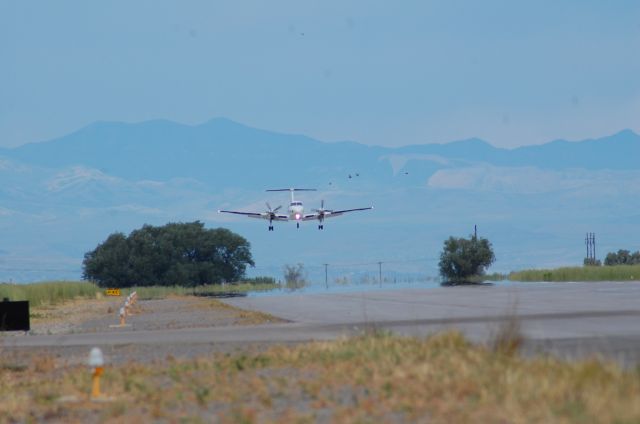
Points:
x=372, y=378
x=49, y=293
x=160, y=292
x=583, y=273
x=54, y=292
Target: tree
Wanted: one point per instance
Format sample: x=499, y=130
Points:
x=183, y=254
x=622, y=257
x=462, y=259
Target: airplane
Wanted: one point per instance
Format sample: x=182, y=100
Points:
x=296, y=211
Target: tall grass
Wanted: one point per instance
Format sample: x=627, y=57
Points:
x=54, y=292
x=585, y=273
x=48, y=293
x=160, y=292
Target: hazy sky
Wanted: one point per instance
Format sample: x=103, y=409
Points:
x=377, y=72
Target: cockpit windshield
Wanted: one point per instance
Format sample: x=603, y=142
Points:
x=296, y=203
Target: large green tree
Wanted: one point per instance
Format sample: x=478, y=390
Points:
x=463, y=259
x=184, y=254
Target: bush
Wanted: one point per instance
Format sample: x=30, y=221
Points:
x=462, y=259
x=294, y=276
x=591, y=262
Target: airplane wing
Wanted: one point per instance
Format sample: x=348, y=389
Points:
x=259, y=215
x=330, y=213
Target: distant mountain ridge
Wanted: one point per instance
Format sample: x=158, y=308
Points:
x=223, y=150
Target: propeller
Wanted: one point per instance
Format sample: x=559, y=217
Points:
x=272, y=214
x=272, y=211
x=322, y=210
x=321, y=213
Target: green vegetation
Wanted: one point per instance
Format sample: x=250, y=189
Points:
x=622, y=257
x=54, y=292
x=377, y=377
x=49, y=293
x=184, y=254
x=464, y=260
x=587, y=273
x=161, y=292
x=591, y=262
x=496, y=276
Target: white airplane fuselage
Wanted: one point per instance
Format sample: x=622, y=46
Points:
x=296, y=210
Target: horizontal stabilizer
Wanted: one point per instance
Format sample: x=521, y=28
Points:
x=292, y=189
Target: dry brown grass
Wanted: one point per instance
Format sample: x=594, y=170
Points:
x=507, y=337
x=373, y=378
x=72, y=311
x=244, y=316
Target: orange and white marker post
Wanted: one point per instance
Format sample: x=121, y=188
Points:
x=96, y=361
x=123, y=322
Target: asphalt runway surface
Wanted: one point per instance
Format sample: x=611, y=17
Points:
x=572, y=320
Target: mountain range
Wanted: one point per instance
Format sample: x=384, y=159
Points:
x=60, y=198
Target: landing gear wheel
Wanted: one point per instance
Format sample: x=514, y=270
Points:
x=270, y=227
x=320, y=227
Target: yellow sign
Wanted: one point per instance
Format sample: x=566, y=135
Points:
x=112, y=292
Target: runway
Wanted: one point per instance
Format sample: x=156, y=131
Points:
x=568, y=319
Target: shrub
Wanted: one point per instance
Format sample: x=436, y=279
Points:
x=294, y=276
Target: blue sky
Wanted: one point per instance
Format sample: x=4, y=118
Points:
x=377, y=72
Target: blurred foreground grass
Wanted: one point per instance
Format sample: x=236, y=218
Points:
x=372, y=378
x=582, y=273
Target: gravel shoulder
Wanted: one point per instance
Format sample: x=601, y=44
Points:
x=101, y=315
x=174, y=312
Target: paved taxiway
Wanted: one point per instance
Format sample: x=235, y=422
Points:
x=570, y=319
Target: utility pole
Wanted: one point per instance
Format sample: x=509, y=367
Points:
x=586, y=243
x=590, y=241
x=380, y=273
x=326, y=276
x=475, y=232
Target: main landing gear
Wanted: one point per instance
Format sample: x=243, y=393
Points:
x=270, y=227
x=320, y=227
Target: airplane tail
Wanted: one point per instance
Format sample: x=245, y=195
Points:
x=292, y=190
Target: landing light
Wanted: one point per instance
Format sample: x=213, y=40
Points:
x=297, y=216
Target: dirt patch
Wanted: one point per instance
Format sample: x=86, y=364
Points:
x=100, y=315
x=68, y=317
x=177, y=312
